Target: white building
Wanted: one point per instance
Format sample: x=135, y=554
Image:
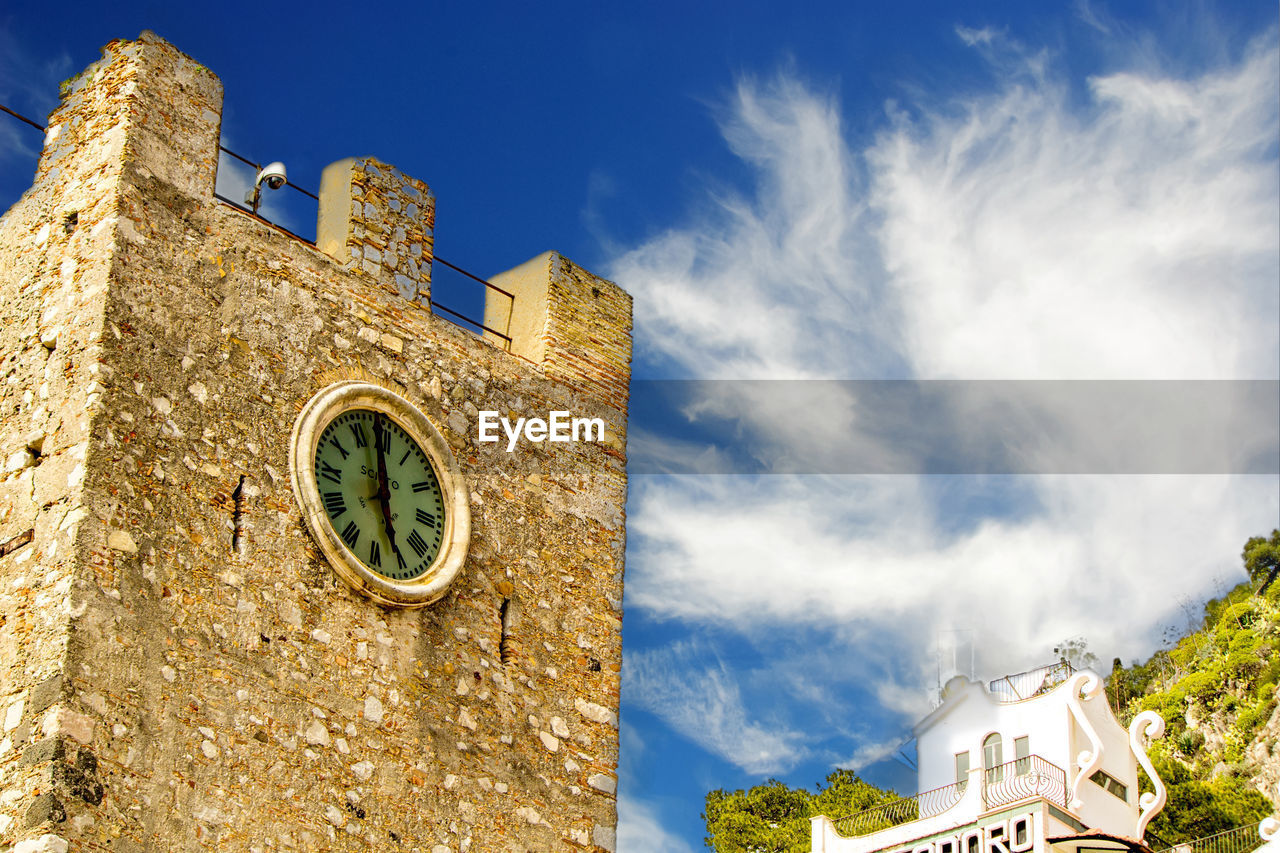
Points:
x=1053, y=772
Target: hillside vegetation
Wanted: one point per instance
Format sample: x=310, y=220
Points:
x=1216, y=689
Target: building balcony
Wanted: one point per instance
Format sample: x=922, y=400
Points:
x=1030, y=684
x=901, y=811
x=1012, y=782
x=900, y=822
x=1024, y=779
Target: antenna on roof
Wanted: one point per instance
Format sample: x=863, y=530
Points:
x=955, y=656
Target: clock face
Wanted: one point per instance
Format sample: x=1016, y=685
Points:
x=380, y=493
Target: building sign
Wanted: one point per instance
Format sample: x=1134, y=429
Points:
x=1011, y=835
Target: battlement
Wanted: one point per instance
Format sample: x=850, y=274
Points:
x=180, y=665
x=149, y=105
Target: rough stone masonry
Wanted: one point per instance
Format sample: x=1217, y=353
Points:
x=179, y=667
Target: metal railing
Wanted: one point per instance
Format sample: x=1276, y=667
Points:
x=1242, y=839
x=1033, y=682
x=435, y=305
x=22, y=118
x=506, y=338
x=1024, y=779
x=905, y=810
x=1021, y=779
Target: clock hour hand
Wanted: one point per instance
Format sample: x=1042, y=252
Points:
x=384, y=493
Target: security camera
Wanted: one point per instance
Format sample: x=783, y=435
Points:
x=272, y=175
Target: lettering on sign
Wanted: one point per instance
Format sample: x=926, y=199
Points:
x=1012, y=835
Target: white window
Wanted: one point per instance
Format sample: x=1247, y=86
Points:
x=1022, y=752
x=993, y=757
x=962, y=768
x=1112, y=785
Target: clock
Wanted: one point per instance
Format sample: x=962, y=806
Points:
x=381, y=493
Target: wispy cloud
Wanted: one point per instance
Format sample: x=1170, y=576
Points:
x=1014, y=233
x=869, y=752
x=235, y=178
x=1093, y=16
x=284, y=207
x=1015, y=237
x=1133, y=239
x=29, y=85
x=640, y=827
x=976, y=36
x=736, y=294
x=870, y=554
x=705, y=704
x=640, y=830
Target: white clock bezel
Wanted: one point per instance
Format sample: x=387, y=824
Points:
x=329, y=403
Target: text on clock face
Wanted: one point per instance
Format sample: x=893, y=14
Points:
x=380, y=493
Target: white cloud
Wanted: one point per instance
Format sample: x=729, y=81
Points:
x=1133, y=239
x=869, y=753
x=640, y=828
x=974, y=36
x=909, y=701
x=1009, y=234
x=770, y=286
x=28, y=85
x=664, y=454
x=639, y=824
x=1096, y=18
x=17, y=144
x=641, y=831
x=704, y=703
x=283, y=207
x=235, y=178
x=864, y=556
x=1015, y=237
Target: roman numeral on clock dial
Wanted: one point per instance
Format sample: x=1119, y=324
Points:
x=364, y=459
x=335, y=504
x=351, y=534
x=419, y=546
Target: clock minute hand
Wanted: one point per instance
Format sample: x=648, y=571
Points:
x=384, y=493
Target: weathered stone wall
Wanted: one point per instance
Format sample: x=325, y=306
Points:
x=377, y=220
x=56, y=250
x=214, y=684
x=566, y=320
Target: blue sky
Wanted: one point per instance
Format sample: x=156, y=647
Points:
x=980, y=191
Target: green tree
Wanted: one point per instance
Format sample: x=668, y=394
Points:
x=846, y=794
x=769, y=817
x=1262, y=559
x=1075, y=651
x=773, y=818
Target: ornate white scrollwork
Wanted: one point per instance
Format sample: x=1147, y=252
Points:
x=1148, y=725
x=1084, y=685
x=1269, y=829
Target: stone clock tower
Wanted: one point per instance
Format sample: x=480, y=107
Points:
x=188, y=658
